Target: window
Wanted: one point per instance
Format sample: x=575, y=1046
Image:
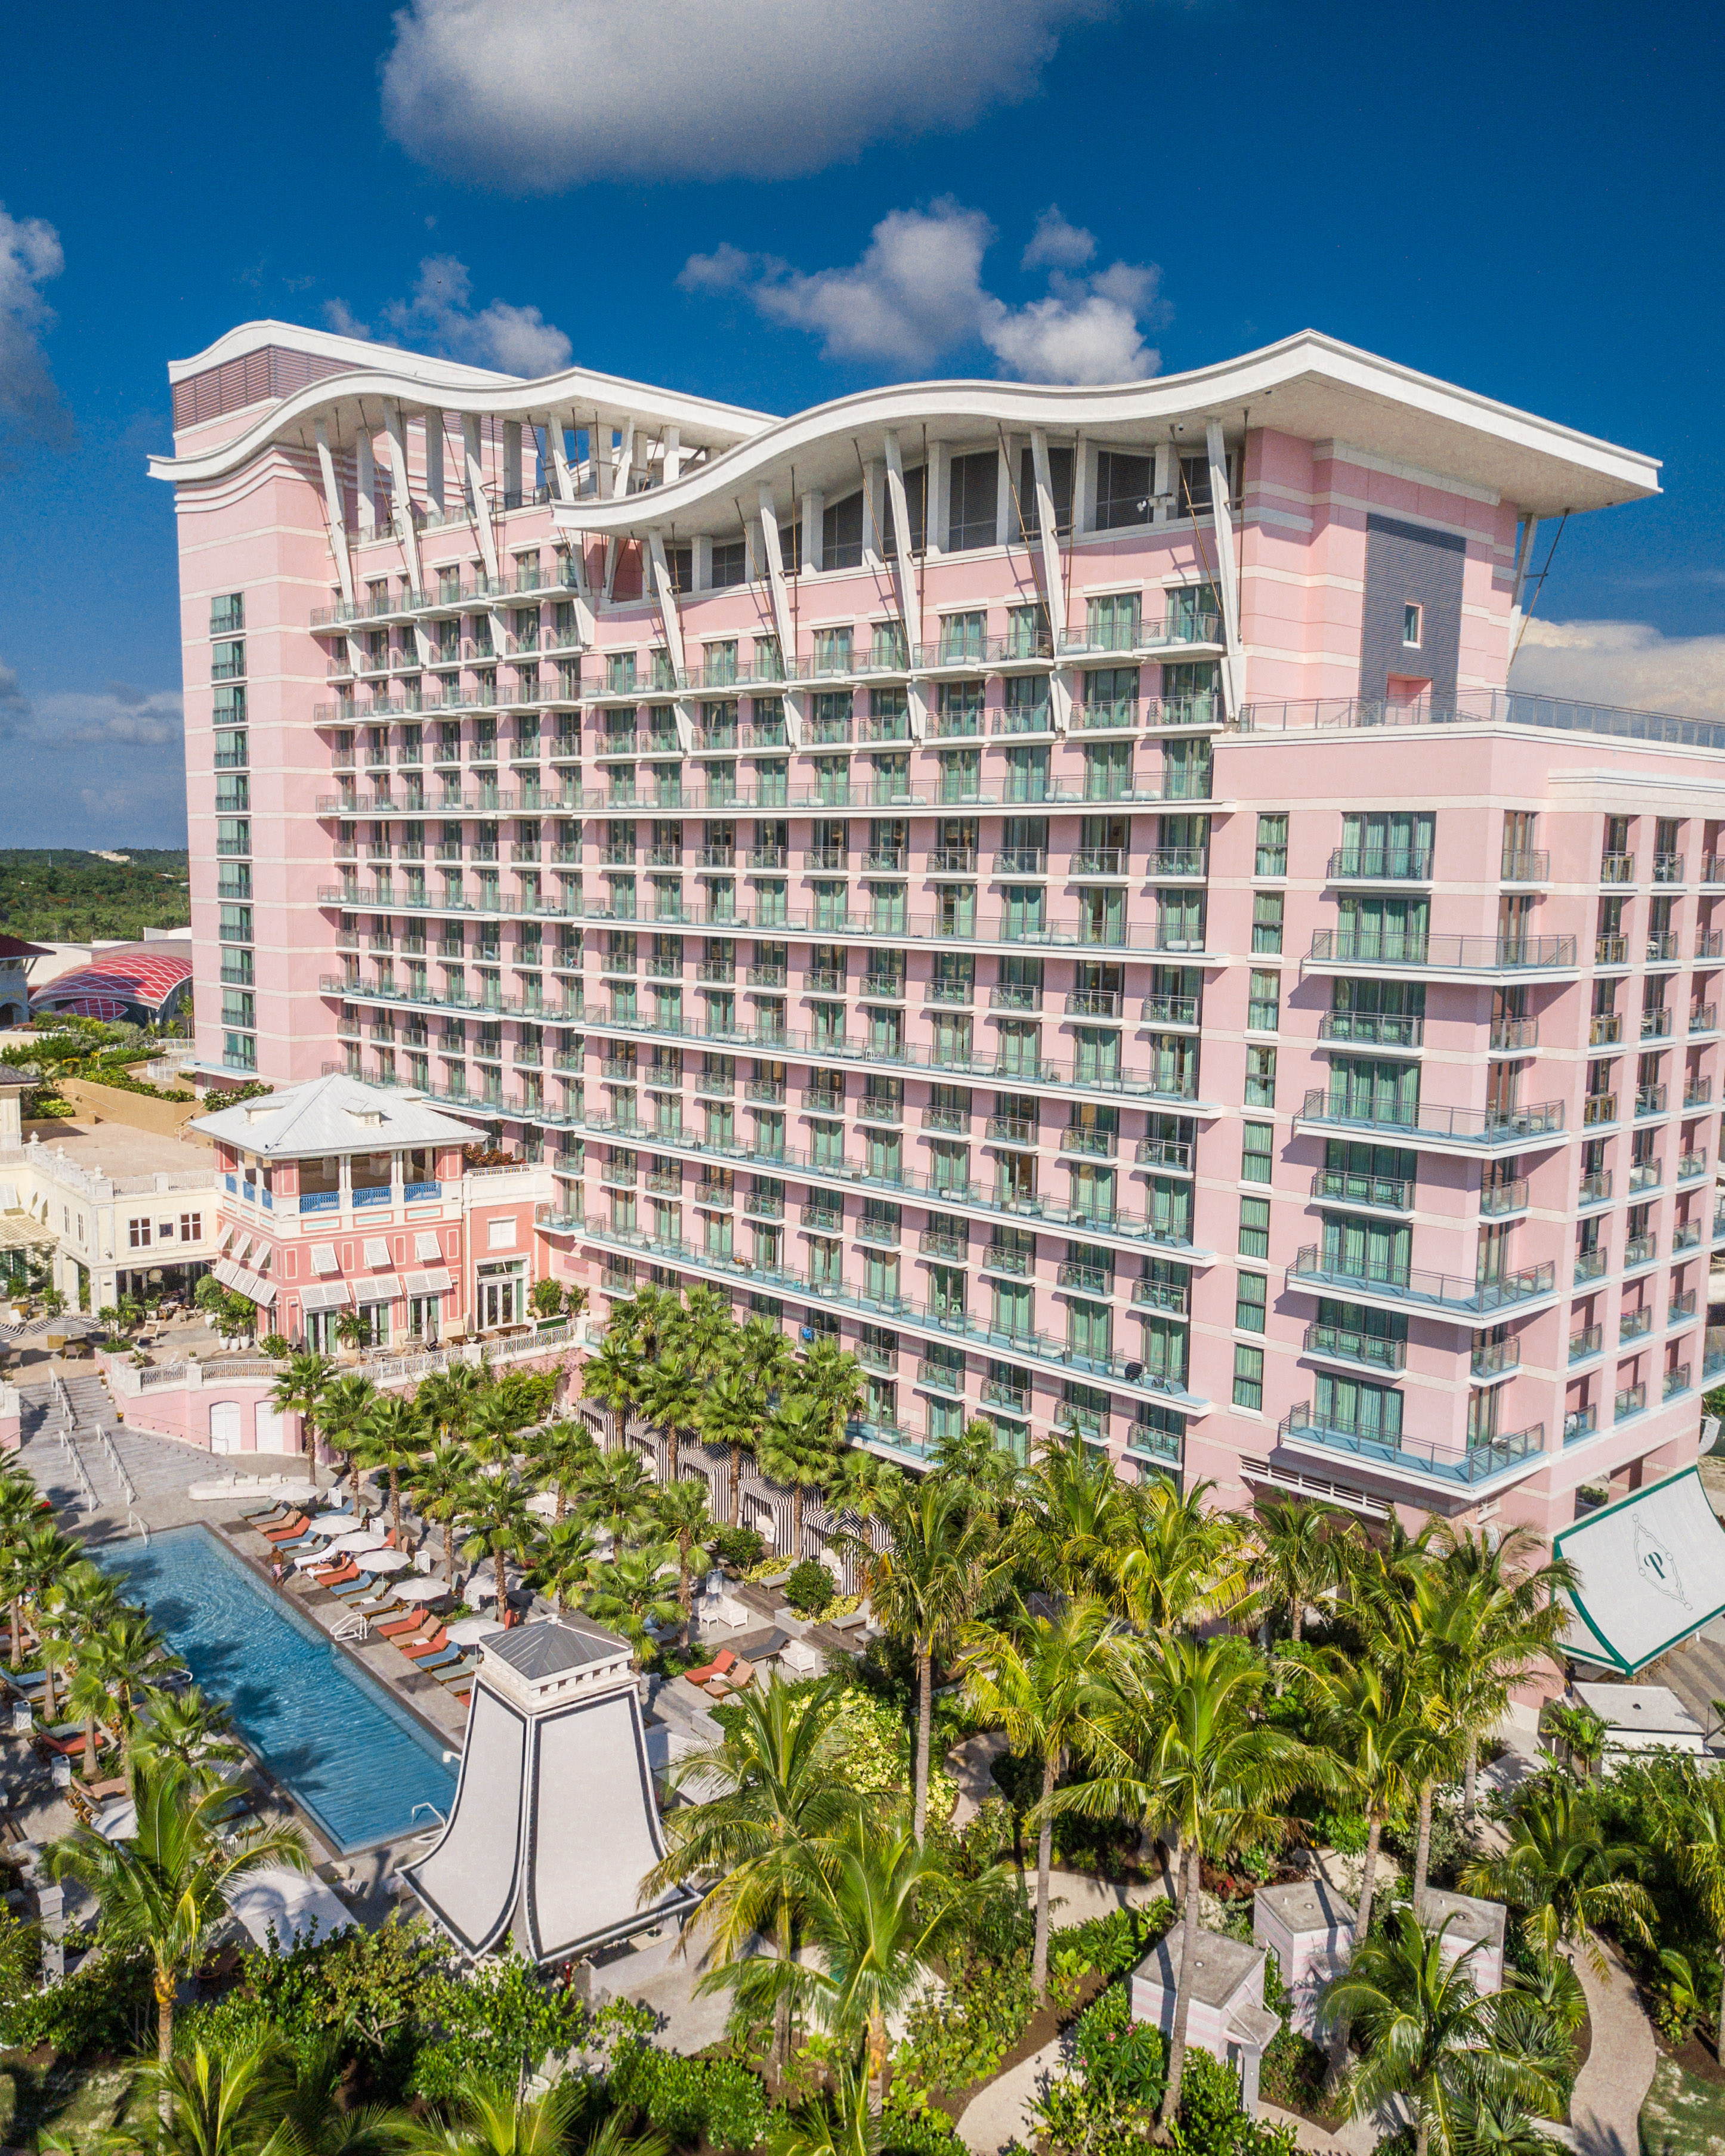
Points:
x=841, y=534
x=1272, y=858
x=1413, y=620
x=731, y=563
x=973, y=492
x=1257, y=1149
x=227, y=614
x=1266, y=923
x=1263, y=1008
x=191, y=1227
x=1251, y=1294
x=1248, y=1376
x=1255, y=1227
x=1123, y=484
x=138, y=1234
x=1260, y=1077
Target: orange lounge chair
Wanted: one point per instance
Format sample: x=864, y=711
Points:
x=336, y=1575
x=419, y=1649
x=402, y=1629
x=289, y=1531
x=721, y=1666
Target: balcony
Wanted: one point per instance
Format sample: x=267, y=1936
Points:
x=1630, y=1400
x=1011, y=1259
x=1662, y=946
x=1598, y=1109
x=1673, y=1382
x=1686, y=1236
x=1449, y=1295
x=1497, y=1198
x=944, y=1242
x=1164, y=1152
x=1633, y=1324
x=1690, y=1165
x=1531, y=865
x=1011, y=1130
x=940, y=1378
x=1338, y=1343
x=1372, y=1029
x=1349, y=865
x=1589, y=1266
x=1586, y=1343
x=1341, y=949
x=1697, y=1093
x=1639, y=1250
x=1425, y=1123
x=1514, y=1036
x=1617, y=868
x=1171, y=1297
x=1170, y=1010
x=1581, y=1422
x=1081, y=1137
x=1093, y=1003
x=1384, y=1193
x=1018, y=860
x=1651, y=1101
x=1495, y=1358
x=1479, y=1464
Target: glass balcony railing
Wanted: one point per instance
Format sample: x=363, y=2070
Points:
x=1338, y=1343
x=1342, y=1186
x=1446, y=1292
x=1482, y=1126
x=1480, y=954
x=1361, y=865
x=1479, y=1463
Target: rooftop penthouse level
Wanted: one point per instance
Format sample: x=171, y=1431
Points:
x=1048, y=886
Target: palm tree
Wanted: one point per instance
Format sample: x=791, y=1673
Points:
x=186, y=1726
x=89, y=1701
x=445, y=1489
x=161, y=1889
x=494, y=1426
x=938, y=1564
x=761, y=1351
x=619, y=1493
x=348, y=1403
x=883, y=1912
x=393, y=1437
x=1430, y=2039
x=681, y=1512
x=312, y=2116
x=20, y=1506
x=500, y=1526
x=612, y=1376
x=732, y=1411
x=1175, y=1562
x=1041, y=1680
x=495, y=2118
x=564, y=1561
x=1069, y=1516
x=797, y=1449
x=445, y=1400
x=839, y=2123
x=672, y=1392
x=43, y=1556
x=861, y=1484
x=1178, y=1743
x=1563, y=1875
x=560, y=1457
x=973, y=1456
x=628, y=1594
x=772, y=1785
x=1374, y=1714
x=703, y=1332
x=1297, y=1555
x=646, y=1321
x=1688, y=1809
x=833, y=1377
x=299, y=1390
x=220, y=2102
x=129, y=1654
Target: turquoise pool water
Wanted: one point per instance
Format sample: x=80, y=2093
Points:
x=357, y=1761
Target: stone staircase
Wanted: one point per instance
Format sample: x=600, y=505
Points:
x=85, y=1460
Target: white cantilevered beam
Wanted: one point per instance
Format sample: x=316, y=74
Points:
x=904, y=571
x=672, y=620
x=1227, y=569
x=783, y=626
x=1047, y=545
x=395, y=422
x=337, y=510
x=365, y=481
x=615, y=480
x=434, y=423
x=478, y=505
x=565, y=478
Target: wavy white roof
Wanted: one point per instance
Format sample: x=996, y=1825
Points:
x=1308, y=386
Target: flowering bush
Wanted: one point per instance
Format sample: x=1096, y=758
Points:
x=878, y=1753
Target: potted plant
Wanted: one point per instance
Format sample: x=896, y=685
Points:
x=547, y=1300
x=352, y=1334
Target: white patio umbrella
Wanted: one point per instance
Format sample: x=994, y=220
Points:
x=355, y=1539
x=420, y=1590
x=543, y=1504
x=384, y=1560
x=468, y=1630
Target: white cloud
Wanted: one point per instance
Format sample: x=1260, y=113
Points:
x=538, y=95
x=31, y=407
x=1625, y=662
x=1055, y=244
x=440, y=318
x=118, y=716
x=916, y=293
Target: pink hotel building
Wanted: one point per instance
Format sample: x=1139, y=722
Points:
x=1045, y=886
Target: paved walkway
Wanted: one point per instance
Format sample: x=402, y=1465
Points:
x=1001, y=2111
x=1611, y=2088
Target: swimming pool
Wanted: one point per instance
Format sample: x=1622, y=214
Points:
x=357, y=1761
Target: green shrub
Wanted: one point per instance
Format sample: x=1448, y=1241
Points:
x=1211, y=2121
x=1112, y=1945
x=717, y=2101
x=502, y=2020
x=1103, y=1846
x=917, y=2133
x=740, y=1547
x=1345, y=1832
x=1116, y=2053
x=106, y=2005
x=810, y=1588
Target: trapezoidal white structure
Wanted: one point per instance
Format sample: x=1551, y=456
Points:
x=556, y=1822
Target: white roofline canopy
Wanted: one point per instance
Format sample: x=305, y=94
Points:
x=1651, y=1573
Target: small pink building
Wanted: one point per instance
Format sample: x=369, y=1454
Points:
x=1227, y=2017
x=1309, y=1927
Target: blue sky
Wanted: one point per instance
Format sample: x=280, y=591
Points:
x=1525, y=200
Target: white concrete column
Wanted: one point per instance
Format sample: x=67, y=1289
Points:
x=335, y=509
x=1227, y=570
x=512, y=458
x=434, y=461
x=673, y=455
x=479, y=506
x=937, y=498
x=815, y=508
x=395, y=421
x=1163, y=481
x=365, y=484
x=1005, y=522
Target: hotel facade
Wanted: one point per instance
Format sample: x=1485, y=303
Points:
x=1046, y=886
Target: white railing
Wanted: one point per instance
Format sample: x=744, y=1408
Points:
x=355, y=1627
x=135, y=1524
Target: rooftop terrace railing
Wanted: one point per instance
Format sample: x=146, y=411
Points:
x=1486, y=707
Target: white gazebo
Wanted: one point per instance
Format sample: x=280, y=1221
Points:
x=556, y=1823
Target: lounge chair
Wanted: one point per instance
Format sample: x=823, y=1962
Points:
x=449, y=1658
x=356, y=1590
x=432, y=1644
x=337, y=1573
x=721, y=1666
x=295, y=1524
x=739, y=1675
x=399, y=1629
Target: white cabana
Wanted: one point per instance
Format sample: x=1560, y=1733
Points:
x=1650, y=1571
x=292, y=1904
x=556, y=1822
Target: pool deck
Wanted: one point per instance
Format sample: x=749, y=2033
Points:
x=163, y=1473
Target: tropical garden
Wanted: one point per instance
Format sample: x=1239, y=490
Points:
x=1187, y=1699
